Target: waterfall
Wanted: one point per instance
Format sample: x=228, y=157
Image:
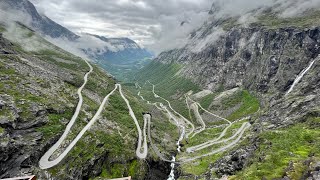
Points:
x=300, y=76
x=171, y=175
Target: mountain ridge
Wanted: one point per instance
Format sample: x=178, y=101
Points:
x=40, y=23
x=123, y=50
x=115, y=50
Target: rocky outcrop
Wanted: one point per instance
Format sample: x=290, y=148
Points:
x=5, y=46
x=235, y=160
x=20, y=140
x=158, y=170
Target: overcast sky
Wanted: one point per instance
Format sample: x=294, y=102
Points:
x=145, y=21
x=155, y=24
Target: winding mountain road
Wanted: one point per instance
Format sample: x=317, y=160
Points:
x=221, y=149
x=239, y=133
x=195, y=109
x=153, y=146
x=210, y=112
x=45, y=163
x=169, y=104
x=216, y=141
x=140, y=155
x=142, y=147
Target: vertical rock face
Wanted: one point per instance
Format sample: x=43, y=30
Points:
x=260, y=59
x=265, y=61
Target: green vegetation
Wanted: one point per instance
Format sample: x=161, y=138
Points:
x=280, y=147
x=200, y=166
x=124, y=72
x=249, y=105
x=231, y=101
x=117, y=109
x=313, y=122
x=207, y=100
x=116, y=170
x=104, y=139
x=100, y=83
x=62, y=59
x=6, y=70
x=166, y=79
x=168, y=84
x=55, y=125
x=204, y=136
x=1, y=130
x=308, y=19
x=133, y=167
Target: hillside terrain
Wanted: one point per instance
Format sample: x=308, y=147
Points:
x=38, y=98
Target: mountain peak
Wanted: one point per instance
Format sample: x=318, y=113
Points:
x=40, y=23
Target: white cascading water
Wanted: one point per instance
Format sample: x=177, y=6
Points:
x=171, y=175
x=299, y=77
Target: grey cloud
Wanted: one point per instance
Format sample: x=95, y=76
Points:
x=142, y=20
x=156, y=23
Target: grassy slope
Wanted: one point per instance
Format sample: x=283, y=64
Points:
x=168, y=83
x=248, y=105
x=294, y=144
x=273, y=21
x=308, y=19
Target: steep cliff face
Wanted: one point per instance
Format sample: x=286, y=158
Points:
x=265, y=61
